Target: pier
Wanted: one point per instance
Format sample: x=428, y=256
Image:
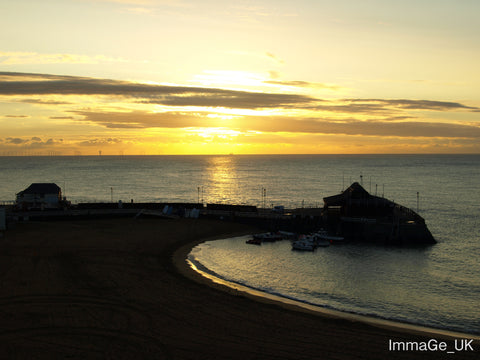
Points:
x=299, y=220
x=353, y=214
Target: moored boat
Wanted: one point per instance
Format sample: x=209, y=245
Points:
x=305, y=243
x=288, y=235
x=302, y=245
x=254, y=241
x=323, y=235
x=322, y=243
x=270, y=236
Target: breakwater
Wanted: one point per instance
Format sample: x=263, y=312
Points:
x=298, y=220
x=398, y=230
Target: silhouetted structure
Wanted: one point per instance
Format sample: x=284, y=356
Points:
x=357, y=215
x=40, y=196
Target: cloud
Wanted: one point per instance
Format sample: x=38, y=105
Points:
x=100, y=142
x=37, y=84
x=299, y=83
x=22, y=84
x=416, y=104
x=274, y=74
x=353, y=108
x=402, y=126
x=386, y=118
x=274, y=57
x=23, y=58
x=142, y=120
x=390, y=106
x=33, y=142
x=382, y=128
x=44, y=102
x=15, y=141
x=61, y=117
x=232, y=99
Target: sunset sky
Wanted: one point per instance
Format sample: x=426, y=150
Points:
x=243, y=77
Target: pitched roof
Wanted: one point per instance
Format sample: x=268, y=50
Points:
x=354, y=191
x=41, y=188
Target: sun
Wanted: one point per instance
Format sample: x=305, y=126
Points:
x=213, y=134
x=231, y=79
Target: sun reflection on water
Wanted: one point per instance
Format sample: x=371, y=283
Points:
x=222, y=178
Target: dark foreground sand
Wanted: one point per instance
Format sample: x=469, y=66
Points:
x=108, y=289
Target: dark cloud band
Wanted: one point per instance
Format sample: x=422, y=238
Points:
x=36, y=84
x=388, y=127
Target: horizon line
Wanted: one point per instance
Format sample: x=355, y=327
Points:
x=230, y=154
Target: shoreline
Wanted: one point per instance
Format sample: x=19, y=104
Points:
x=186, y=267
x=111, y=289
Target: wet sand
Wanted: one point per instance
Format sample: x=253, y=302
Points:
x=120, y=289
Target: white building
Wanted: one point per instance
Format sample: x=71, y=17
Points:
x=40, y=196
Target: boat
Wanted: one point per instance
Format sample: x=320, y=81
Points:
x=254, y=241
x=305, y=243
x=322, y=243
x=334, y=239
x=323, y=236
x=269, y=236
x=288, y=235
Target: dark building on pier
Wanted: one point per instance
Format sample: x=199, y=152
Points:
x=359, y=216
x=40, y=196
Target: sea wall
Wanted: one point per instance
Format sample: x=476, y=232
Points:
x=384, y=233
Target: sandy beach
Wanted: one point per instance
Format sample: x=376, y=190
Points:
x=121, y=289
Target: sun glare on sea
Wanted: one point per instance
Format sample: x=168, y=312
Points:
x=223, y=179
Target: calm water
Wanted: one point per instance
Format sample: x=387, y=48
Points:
x=438, y=286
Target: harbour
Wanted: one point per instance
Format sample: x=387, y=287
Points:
x=437, y=283
x=353, y=215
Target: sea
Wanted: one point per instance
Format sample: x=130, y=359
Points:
x=436, y=286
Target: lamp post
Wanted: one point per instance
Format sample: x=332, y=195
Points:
x=264, y=197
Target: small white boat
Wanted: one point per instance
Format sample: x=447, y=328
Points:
x=322, y=235
x=302, y=245
x=305, y=243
